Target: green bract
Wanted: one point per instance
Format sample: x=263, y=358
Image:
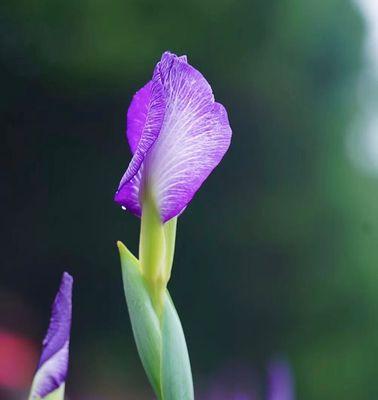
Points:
x=159, y=336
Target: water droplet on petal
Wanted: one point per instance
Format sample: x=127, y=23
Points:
x=123, y=208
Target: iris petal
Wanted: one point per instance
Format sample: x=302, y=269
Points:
x=137, y=115
x=52, y=368
x=144, y=122
x=189, y=136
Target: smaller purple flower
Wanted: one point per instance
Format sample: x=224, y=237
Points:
x=280, y=381
x=177, y=133
x=240, y=384
x=53, y=364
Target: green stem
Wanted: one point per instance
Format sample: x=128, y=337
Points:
x=152, y=241
x=156, y=250
x=170, y=228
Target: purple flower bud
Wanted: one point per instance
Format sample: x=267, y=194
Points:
x=177, y=133
x=53, y=364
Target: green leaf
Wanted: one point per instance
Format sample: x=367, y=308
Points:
x=176, y=375
x=144, y=321
x=160, y=340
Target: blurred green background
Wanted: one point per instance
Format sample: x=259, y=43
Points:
x=278, y=252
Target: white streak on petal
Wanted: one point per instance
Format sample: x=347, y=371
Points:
x=193, y=139
x=53, y=364
x=51, y=374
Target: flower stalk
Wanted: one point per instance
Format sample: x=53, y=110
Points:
x=152, y=251
x=156, y=251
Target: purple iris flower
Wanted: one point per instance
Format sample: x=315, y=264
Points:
x=177, y=134
x=53, y=364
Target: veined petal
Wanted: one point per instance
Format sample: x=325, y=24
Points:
x=178, y=135
x=128, y=194
x=52, y=367
x=137, y=115
x=194, y=137
x=144, y=123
